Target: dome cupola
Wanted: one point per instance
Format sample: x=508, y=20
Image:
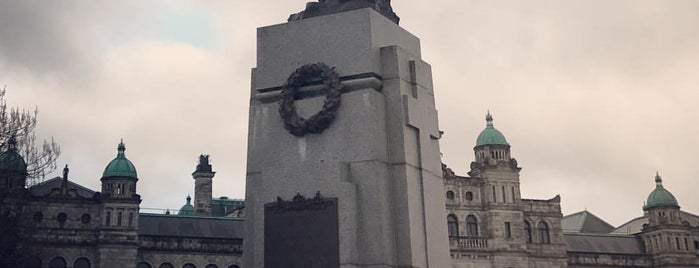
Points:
x=120, y=166
x=11, y=161
x=187, y=209
x=660, y=197
x=490, y=135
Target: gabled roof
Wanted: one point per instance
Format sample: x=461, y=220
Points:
x=45, y=188
x=636, y=225
x=190, y=226
x=603, y=243
x=585, y=222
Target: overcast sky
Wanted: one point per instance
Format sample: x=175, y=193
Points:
x=593, y=95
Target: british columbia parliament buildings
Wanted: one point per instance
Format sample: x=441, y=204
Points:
x=63, y=224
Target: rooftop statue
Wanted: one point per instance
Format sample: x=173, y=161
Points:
x=325, y=7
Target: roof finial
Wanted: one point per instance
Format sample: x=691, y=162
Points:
x=12, y=144
x=658, y=180
x=121, y=148
x=489, y=119
x=189, y=199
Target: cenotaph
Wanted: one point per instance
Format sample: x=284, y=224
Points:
x=343, y=164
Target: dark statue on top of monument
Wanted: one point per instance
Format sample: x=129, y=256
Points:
x=203, y=165
x=325, y=7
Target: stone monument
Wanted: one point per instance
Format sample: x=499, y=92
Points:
x=343, y=162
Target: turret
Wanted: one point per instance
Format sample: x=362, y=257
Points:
x=119, y=178
x=120, y=205
x=494, y=163
x=187, y=209
x=13, y=169
x=667, y=237
x=661, y=206
x=203, y=176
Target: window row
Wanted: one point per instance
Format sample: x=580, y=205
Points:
x=188, y=265
x=59, y=262
x=468, y=195
x=542, y=231
x=656, y=243
x=119, y=219
x=471, y=226
x=61, y=217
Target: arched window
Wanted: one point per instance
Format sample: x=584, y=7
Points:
x=453, y=225
x=119, y=218
x=189, y=265
x=469, y=196
x=166, y=265
x=81, y=263
x=85, y=218
x=57, y=262
x=108, y=219
x=450, y=195
x=143, y=265
x=544, y=233
x=472, y=226
x=528, y=231
x=211, y=266
x=62, y=217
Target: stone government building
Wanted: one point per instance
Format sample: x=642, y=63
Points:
x=68, y=225
x=489, y=223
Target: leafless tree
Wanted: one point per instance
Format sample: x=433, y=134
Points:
x=21, y=124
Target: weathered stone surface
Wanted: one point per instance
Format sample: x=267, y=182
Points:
x=360, y=159
x=349, y=41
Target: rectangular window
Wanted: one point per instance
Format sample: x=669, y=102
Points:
x=504, y=196
x=495, y=198
x=508, y=230
x=130, y=219
x=108, y=219
x=119, y=218
x=514, y=196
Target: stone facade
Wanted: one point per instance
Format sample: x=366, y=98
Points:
x=490, y=225
x=63, y=224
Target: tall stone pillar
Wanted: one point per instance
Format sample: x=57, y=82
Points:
x=203, y=177
x=378, y=157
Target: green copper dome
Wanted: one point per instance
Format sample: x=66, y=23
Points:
x=660, y=197
x=120, y=166
x=490, y=135
x=187, y=209
x=10, y=160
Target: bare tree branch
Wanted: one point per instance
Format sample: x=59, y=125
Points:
x=21, y=123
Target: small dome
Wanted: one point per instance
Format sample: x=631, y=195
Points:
x=10, y=160
x=490, y=135
x=660, y=197
x=120, y=166
x=187, y=209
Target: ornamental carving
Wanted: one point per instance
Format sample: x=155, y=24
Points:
x=325, y=7
x=300, y=202
x=304, y=76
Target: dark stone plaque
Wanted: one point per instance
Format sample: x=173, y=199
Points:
x=302, y=233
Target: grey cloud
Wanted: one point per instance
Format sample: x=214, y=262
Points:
x=593, y=96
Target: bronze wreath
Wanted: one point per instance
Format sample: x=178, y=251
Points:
x=304, y=76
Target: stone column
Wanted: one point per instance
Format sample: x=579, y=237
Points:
x=203, y=176
x=380, y=155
